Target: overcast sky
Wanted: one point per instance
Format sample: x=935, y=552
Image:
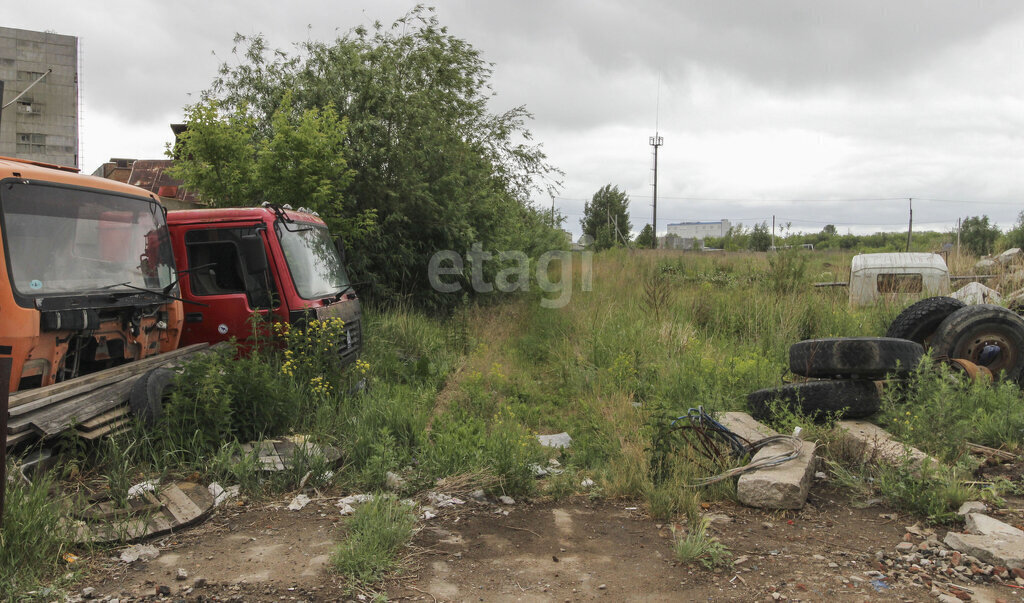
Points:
x=817, y=112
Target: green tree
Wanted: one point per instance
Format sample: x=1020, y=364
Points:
x=432, y=168
x=300, y=162
x=760, y=238
x=829, y=230
x=977, y=235
x=1015, y=236
x=606, y=217
x=645, y=240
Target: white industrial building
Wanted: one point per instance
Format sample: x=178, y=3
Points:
x=43, y=124
x=699, y=230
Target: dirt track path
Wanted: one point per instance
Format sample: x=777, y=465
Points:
x=576, y=550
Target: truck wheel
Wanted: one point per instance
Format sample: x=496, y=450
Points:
x=920, y=320
x=147, y=395
x=852, y=398
x=987, y=335
x=863, y=357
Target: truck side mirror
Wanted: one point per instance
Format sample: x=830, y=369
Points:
x=339, y=244
x=254, y=254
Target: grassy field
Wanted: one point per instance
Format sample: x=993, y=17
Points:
x=462, y=398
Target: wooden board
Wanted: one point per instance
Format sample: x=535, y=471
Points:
x=56, y=418
x=112, y=428
x=107, y=417
x=173, y=507
x=25, y=401
x=277, y=455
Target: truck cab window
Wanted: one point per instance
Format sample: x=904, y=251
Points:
x=218, y=267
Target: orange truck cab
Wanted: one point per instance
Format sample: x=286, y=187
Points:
x=87, y=279
x=236, y=263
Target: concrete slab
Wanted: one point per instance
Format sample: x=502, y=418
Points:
x=877, y=444
x=1007, y=551
x=978, y=523
x=784, y=486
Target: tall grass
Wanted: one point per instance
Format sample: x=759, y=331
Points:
x=660, y=332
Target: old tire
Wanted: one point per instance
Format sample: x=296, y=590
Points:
x=146, y=399
x=850, y=398
x=920, y=320
x=987, y=335
x=863, y=357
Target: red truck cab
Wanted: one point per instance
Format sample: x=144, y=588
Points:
x=269, y=260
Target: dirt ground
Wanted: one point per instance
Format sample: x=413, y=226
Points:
x=572, y=550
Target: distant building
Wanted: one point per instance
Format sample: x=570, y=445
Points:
x=699, y=230
x=674, y=241
x=150, y=174
x=43, y=124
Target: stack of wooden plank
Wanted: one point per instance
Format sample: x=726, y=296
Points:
x=94, y=405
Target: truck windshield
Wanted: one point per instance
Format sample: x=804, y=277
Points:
x=64, y=240
x=312, y=259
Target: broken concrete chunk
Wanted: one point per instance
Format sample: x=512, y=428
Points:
x=976, y=293
x=783, y=486
x=506, y=500
x=1006, y=551
x=987, y=526
x=986, y=266
x=745, y=426
x=876, y=444
x=971, y=506
x=555, y=440
x=1010, y=255
x=298, y=503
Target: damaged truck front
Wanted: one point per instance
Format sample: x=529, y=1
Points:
x=87, y=279
x=270, y=261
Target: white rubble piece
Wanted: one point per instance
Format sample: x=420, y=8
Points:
x=221, y=494
x=298, y=503
x=145, y=552
x=991, y=540
x=555, y=440
x=1010, y=256
x=986, y=266
x=877, y=444
x=783, y=486
x=441, y=500
x=137, y=490
x=976, y=293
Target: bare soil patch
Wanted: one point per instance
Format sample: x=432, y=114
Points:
x=573, y=550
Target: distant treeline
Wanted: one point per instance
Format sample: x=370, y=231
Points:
x=977, y=236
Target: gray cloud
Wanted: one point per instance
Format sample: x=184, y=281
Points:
x=760, y=102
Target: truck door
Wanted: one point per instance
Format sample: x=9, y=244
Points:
x=228, y=271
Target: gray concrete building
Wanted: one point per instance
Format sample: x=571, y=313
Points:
x=43, y=124
x=699, y=230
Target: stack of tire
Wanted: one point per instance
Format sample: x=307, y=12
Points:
x=847, y=374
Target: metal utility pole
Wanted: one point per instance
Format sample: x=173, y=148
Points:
x=773, y=232
x=655, y=141
x=910, y=225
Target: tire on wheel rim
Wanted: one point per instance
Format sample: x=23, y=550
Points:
x=863, y=357
x=147, y=394
x=920, y=320
x=850, y=398
x=987, y=335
